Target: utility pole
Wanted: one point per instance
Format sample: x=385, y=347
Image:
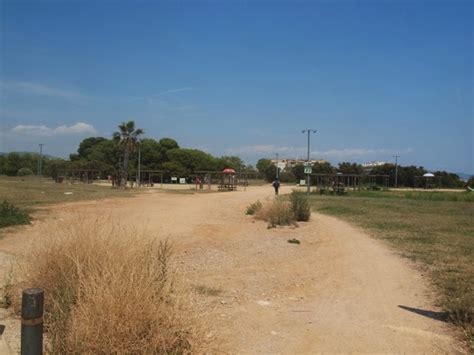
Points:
x=277, y=172
x=396, y=170
x=40, y=160
x=139, y=165
x=308, y=176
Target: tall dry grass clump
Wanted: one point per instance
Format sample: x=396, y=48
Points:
x=300, y=206
x=277, y=213
x=109, y=289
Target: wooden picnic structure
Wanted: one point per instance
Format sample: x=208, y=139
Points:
x=426, y=181
x=150, y=177
x=338, y=183
x=82, y=175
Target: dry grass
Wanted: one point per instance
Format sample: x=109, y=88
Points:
x=300, y=206
x=31, y=192
x=277, y=213
x=109, y=289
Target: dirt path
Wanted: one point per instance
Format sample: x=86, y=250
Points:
x=339, y=291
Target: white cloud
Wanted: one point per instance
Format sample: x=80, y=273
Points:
x=39, y=89
x=43, y=131
x=173, y=91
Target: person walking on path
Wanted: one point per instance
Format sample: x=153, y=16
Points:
x=276, y=186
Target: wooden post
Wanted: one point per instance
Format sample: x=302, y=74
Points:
x=32, y=321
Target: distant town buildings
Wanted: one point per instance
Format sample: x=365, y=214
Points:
x=373, y=164
x=370, y=165
x=290, y=163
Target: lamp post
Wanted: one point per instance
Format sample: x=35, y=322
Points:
x=40, y=160
x=139, y=182
x=308, y=176
x=396, y=170
x=277, y=170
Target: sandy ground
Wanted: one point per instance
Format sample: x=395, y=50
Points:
x=339, y=291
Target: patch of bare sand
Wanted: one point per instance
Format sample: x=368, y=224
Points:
x=339, y=291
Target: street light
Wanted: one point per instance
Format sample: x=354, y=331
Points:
x=277, y=172
x=40, y=161
x=139, y=164
x=308, y=176
x=396, y=170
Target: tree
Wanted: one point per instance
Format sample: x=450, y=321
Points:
x=286, y=175
x=406, y=174
x=24, y=172
x=263, y=164
x=87, y=145
x=167, y=144
x=152, y=156
x=231, y=162
x=350, y=168
x=470, y=182
x=448, y=180
x=323, y=168
x=127, y=137
x=191, y=159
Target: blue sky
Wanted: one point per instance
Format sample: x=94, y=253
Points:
x=375, y=78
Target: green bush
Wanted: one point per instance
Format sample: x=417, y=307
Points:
x=25, y=172
x=254, y=208
x=11, y=215
x=300, y=206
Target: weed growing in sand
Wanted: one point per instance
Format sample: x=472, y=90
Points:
x=254, y=208
x=293, y=241
x=7, y=290
x=111, y=290
x=207, y=291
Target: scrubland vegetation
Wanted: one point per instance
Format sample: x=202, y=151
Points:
x=21, y=196
x=110, y=289
x=282, y=211
x=11, y=215
x=435, y=229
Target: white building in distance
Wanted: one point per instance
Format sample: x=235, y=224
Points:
x=289, y=163
x=373, y=164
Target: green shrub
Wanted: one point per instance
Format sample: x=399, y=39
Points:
x=25, y=172
x=254, y=208
x=12, y=216
x=300, y=206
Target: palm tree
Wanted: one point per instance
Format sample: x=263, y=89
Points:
x=127, y=138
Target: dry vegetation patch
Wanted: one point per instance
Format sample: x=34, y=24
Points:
x=283, y=210
x=110, y=289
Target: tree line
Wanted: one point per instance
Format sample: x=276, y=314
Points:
x=406, y=175
x=118, y=156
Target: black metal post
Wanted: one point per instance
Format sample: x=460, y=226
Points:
x=32, y=321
